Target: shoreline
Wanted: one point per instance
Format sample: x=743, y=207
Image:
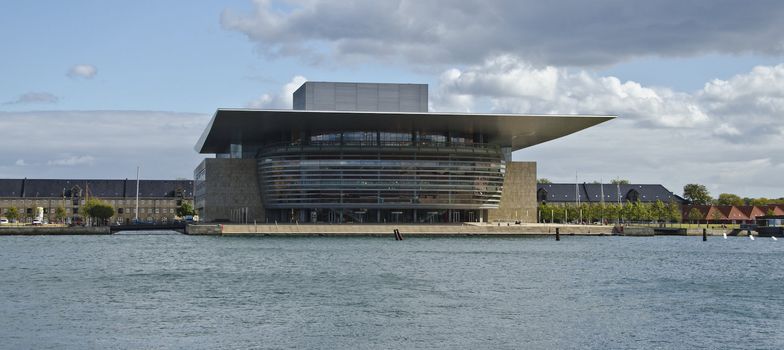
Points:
x=377, y=230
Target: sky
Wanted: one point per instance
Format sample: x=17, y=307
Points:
x=93, y=89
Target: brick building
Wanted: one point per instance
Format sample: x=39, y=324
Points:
x=158, y=199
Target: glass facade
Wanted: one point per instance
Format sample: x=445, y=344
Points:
x=369, y=176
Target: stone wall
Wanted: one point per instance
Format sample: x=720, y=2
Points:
x=411, y=230
x=53, y=230
x=518, y=201
x=204, y=230
x=230, y=189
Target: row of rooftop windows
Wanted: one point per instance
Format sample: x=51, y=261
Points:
x=113, y=202
x=119, y=211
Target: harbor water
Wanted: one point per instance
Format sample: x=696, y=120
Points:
x=184, y=292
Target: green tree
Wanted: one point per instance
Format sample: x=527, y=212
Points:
x=590, y=212
x=568, y=213
x=12, y=214
x=551, y=213
x=626, y=212
x=544, y=180
x=659, y=211
x=60, y=214
x=619, y=182
x=762, y=201
x=697, y=194
x=674, y=213
x=599, y=212
x=695, y=215
x=770, y=212
x=103, y=212
x=635, y=211
x=730, y=199
x=612, y=212
x=648, y=212
x=185, y=209
x=556, y=213
x=95, y=208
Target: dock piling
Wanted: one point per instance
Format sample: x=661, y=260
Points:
x=704, y=234
x=557, y=233
x=398, y=236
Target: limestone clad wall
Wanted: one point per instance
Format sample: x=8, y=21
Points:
x=518, y=200
x=230, y=191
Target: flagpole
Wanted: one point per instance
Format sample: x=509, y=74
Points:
x=136, y=213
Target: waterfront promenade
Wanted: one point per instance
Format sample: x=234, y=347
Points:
x=371, y=230
x=503, y=229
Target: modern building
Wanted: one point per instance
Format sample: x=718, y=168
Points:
x=364, y=152
x=158, y=199
x=570, y=193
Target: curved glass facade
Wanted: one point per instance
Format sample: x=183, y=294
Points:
x=378, y=176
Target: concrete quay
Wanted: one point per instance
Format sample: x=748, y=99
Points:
x=52, y=230
x=420, y=230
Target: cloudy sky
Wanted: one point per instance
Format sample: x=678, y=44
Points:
x=92, y=89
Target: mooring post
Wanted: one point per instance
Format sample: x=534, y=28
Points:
x=557, y=233
x=398, y=236
x=704, y=234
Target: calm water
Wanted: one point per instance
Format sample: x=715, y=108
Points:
x=174, y=291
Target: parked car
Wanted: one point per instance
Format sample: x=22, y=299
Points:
x=37, y=222
x=3, y=221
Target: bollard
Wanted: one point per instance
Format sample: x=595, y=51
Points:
x=557, y=233
x=704, y=234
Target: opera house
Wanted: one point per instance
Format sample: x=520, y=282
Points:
x=366, y=152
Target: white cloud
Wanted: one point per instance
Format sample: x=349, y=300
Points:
x=508, y=84
x=72, y=161
x=726, y=135
x=725, y=129
x=63, y=144
x=34, y=98
x=282, y=100
x=564, y=33
x=20, y=162
x=86, y=71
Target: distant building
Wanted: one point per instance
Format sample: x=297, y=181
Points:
x=729, y=214
x=571, y=193
x=366, y=152
x=158, y=199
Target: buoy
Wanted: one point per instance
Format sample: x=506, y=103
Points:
x=774, y=238
x=725, y=235
x=751, y=237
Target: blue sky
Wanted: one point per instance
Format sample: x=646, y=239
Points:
x=681, y=78
x=151, y=55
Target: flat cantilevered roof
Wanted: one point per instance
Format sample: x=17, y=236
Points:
x=507, y=130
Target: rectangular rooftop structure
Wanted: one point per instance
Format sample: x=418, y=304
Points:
x=369, y=97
